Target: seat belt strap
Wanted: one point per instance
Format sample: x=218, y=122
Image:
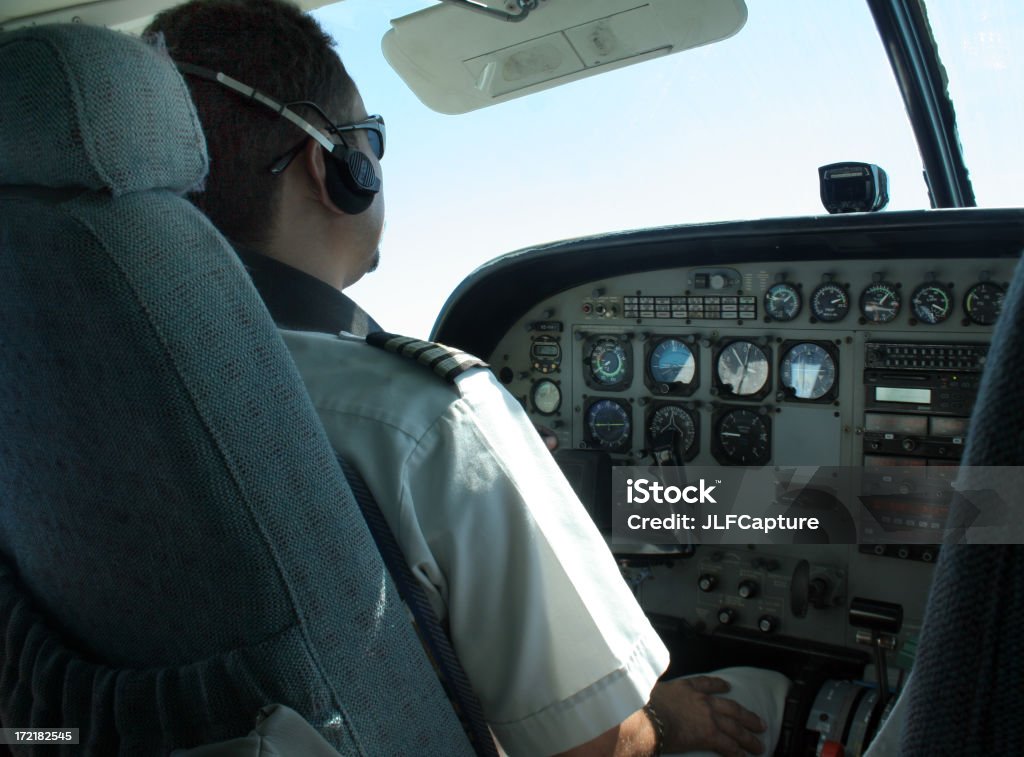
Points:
x=446, y=662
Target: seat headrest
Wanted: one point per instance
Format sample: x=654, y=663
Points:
x=84, y=106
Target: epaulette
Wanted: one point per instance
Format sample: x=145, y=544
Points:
x=447, y=362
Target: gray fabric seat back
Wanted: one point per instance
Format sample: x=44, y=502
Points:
x=180, y=546
x=967, y=693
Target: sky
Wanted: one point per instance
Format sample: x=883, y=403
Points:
x=733, y=130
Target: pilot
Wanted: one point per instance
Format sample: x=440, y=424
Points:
x=558, y=651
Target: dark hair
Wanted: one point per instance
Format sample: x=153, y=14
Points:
x=275, y=47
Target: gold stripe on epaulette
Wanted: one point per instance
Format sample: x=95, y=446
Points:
x=447, y=362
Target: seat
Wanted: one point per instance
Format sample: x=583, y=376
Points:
x=179, y=545
x=967, y=692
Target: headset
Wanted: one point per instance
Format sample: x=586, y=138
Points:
x=351, y=179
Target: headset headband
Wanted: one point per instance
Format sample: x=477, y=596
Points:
x=251, y=93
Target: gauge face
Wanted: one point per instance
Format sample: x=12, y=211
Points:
x=744, y=437
x=880, y=303
x=672, y=424
x=608, y=424
x=608, y=361
x=672, y=362
x=743, y=367
x=783, y=302
x=547, y=397
x=931, y=303
x=809, y=370
x=984, y=302
x=830, y=303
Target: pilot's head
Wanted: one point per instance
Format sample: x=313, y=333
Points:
x=269, y=188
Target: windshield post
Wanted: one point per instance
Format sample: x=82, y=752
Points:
x=914, y=56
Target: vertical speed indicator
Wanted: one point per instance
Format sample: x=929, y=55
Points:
x=742, y=437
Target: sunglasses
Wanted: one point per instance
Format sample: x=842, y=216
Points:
x=374, y=128
x=372, y=125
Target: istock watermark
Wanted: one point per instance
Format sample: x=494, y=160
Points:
x=825, y=505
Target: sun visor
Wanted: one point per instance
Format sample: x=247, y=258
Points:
x=457, y=60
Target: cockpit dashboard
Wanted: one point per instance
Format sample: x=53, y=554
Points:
x=855, y=340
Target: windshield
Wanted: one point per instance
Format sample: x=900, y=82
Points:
x=734, y=130
x=980, y=42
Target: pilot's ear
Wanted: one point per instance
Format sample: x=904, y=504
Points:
x=313, y=158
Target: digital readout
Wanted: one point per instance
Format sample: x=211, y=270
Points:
x=903, y=394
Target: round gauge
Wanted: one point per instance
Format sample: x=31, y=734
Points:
x=783, y=302
x=809, y=370
x=608, y=424
x=608, y=361
x=672, y=424
x=830, y=303
x=547, y=397
x=931, y=303
x=744, y=437
x=880, y=303
x=672, y=362
x=983, y=302
x=742, y=367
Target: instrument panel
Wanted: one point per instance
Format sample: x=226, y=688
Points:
x=760, y=364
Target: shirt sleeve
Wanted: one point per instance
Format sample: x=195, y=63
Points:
x=550, y=636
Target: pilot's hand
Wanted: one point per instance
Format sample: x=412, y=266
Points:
x=550, y=437
x=695, y=719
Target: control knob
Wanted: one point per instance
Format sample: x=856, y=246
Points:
x=767, y=624
x=747, y=589
x=707, y=582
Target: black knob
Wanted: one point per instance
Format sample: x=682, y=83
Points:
x=767, y=624
x=908, y=444
x=747, y=589
x=726, y=616
x=707, y=582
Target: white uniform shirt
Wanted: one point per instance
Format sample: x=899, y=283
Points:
x=552, y=640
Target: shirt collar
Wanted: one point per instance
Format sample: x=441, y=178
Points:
x=300, y=302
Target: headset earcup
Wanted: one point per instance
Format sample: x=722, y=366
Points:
x=351, y=180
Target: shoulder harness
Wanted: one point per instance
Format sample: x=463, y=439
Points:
x=447, y=362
